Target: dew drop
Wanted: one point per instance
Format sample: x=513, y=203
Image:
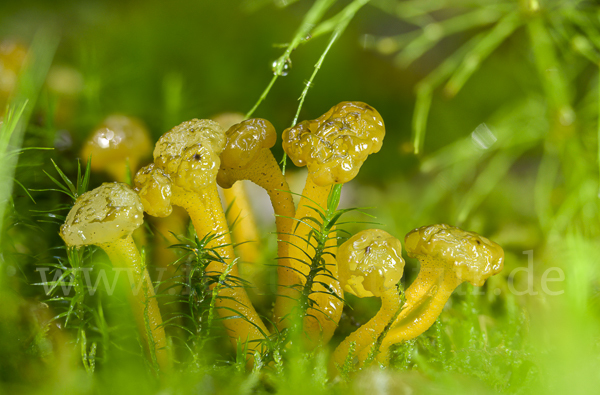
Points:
x=285, y=67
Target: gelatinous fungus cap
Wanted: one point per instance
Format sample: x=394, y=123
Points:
x=189, y=153
x=118, y=137
x=245, y=140
x=103, y=215
x=370, y=263
x=335, y=145
x=154, y=188
x=472, y=257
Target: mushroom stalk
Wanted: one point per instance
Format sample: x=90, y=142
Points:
x=247, y=156
x=365, y=336
x=319, y=323
x=265, y=173
x=123, y=253
x=425, y=300
x=205, y=211
x=242, y=223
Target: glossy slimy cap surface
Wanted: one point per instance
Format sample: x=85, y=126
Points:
x=189, y=153
x=154, y=188
x=335, y=145
x=472, y=257
x=245, y=140
x=102, y=215
x=370, y=263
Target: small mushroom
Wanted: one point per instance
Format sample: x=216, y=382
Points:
x=448, y=257
x=333, y=147
x=370, y=264
x=106, y=217
x=186, y=161
x=118, y=141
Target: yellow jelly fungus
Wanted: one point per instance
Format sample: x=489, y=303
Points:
x=118, y=142
x=370, y=264
x=154, y=188
x=106, y=217
x=188, y=155
x=247, y=156
x=240, y=216
x=245, y=142
x=333, y=147
x=448, y=257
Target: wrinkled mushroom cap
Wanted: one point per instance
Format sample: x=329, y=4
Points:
x=103, y=215
x=472, y=257
x=245, y=140
x=370, y=263
x=189, y=153
x=335, y=145
x=154, y=188
x=118, y=138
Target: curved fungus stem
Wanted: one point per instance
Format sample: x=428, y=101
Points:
x=123, y=253
x=266, y=173
x=164, y=258
x=204, y=209
x=247, y=156
x=333, y=147
x=449, y=256
x=107, y=217
x=370, y=264
x=321, y=322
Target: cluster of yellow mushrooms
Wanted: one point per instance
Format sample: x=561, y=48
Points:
x=192, y=159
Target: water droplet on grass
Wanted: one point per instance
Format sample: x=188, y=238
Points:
x=285, y=67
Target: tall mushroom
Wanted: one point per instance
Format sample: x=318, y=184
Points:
x=370, y=264
x=448, y=257
x=186, y=161
x=239, y=210
x=106, y=217
x=333, y=147
x=247, y=156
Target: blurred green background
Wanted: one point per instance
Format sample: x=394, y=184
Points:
x=499, y=98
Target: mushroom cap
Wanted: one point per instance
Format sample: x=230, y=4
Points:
x=472, y=257
x=335, y=145
x=370, y=263
x=118, y=138
x=103, y=215
x=189, y=153
x=245, y=140
x=154, y=188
